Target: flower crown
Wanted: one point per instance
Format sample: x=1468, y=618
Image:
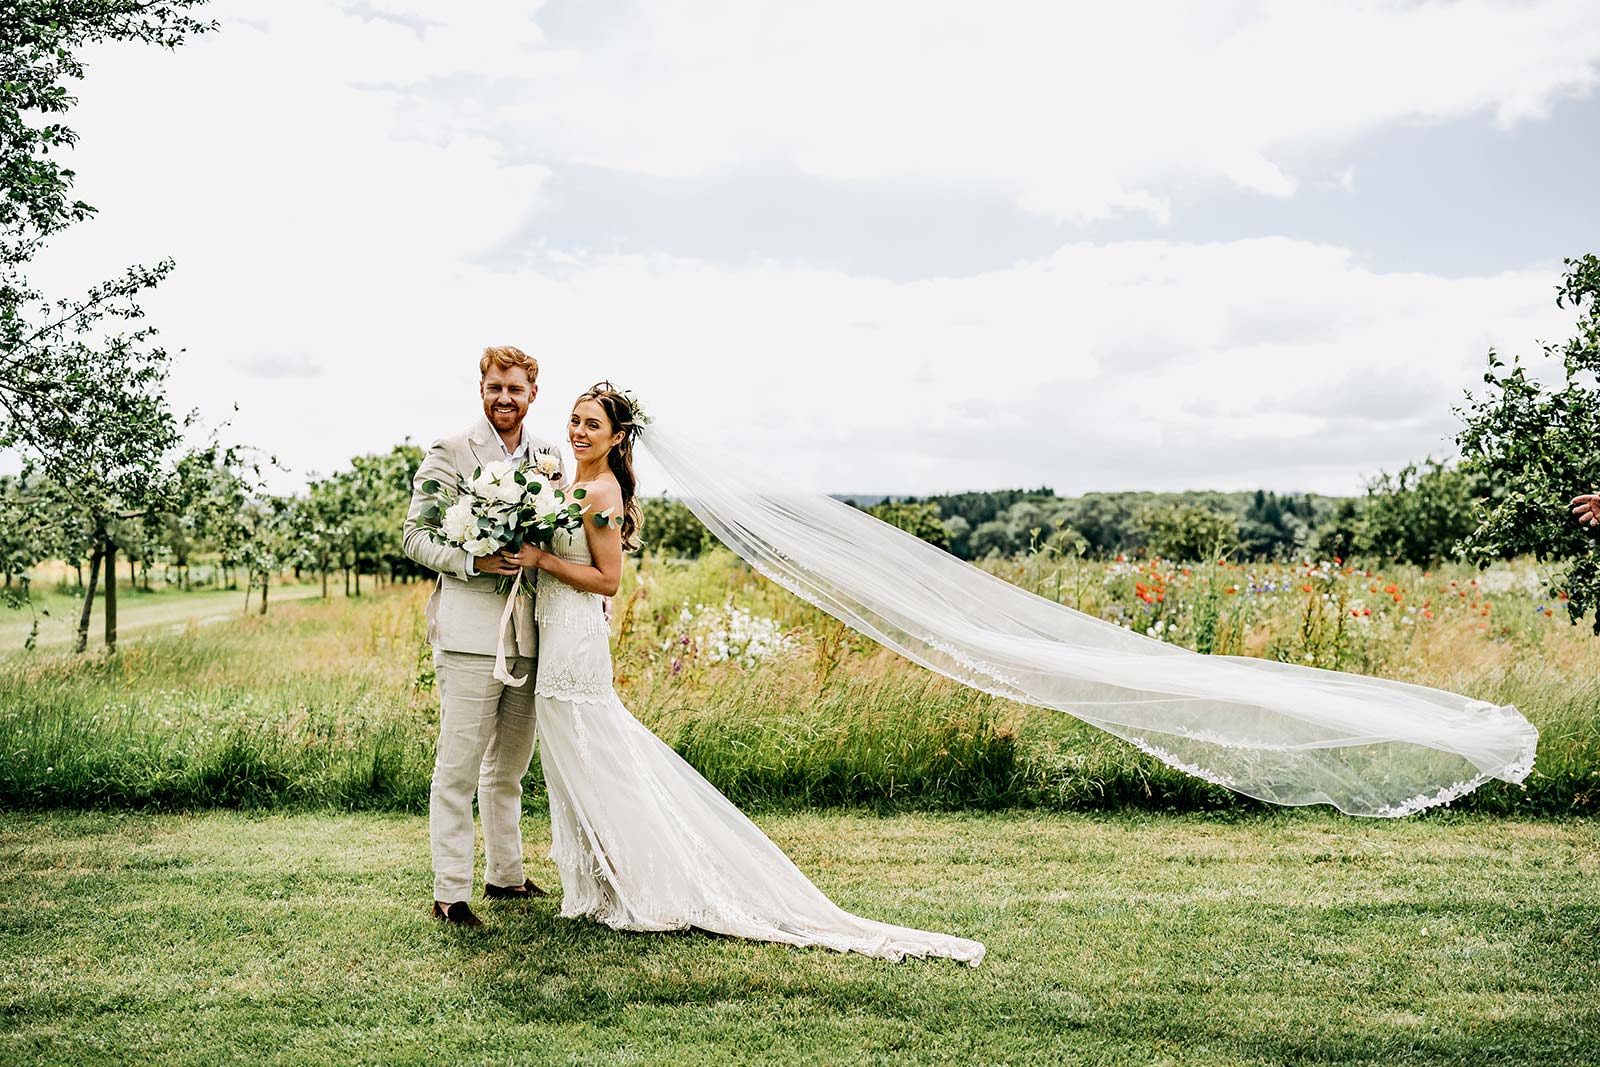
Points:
x=635, y=407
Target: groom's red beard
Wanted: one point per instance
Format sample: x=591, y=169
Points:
x=506, y=413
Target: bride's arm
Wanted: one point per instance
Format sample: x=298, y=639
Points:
x=605, y=546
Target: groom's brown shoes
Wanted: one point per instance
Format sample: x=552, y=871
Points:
x=525, y=891
x=457, y=912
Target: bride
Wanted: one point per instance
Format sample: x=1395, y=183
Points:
x=641, y=840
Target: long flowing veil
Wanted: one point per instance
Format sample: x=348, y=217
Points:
x=1280, y=732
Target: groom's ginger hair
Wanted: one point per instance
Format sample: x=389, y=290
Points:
x=504, y=356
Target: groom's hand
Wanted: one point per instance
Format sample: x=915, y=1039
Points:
x=494, y=563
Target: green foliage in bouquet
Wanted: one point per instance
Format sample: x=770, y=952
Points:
x=503, y=506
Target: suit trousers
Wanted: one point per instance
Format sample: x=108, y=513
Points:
x=486, y=734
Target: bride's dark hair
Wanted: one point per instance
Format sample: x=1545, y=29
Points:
x=620, y=459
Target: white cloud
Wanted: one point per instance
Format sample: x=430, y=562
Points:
x=1020, y=376
x=1079, y=111
x=329, y=180
x=279, y=365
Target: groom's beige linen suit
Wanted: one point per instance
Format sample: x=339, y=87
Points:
x=486, y=728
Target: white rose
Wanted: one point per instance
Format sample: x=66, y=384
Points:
x=458, y=522
x=507, y=491
x=480, y=546
x=547, y=465
x=484, y=485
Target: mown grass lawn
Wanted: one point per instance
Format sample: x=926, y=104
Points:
x=1290, y=938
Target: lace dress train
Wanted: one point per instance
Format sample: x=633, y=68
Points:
x=641, y=840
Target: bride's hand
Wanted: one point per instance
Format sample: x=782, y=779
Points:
x=526, y=556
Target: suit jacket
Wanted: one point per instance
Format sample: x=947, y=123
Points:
x=464, y=611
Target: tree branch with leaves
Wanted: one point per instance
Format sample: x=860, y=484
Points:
x=1537, y=445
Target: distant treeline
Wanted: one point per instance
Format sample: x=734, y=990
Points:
x=1416, y=516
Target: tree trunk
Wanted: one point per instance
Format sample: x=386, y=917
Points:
x=248, y=589
x=264, y=578
x=358, y=577
x=347, y=581
x=88, y=599
x=324, y=565
x=111, y=596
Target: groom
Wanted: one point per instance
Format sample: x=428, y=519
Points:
x=485, y=727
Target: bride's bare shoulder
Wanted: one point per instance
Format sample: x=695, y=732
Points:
x=601, y=493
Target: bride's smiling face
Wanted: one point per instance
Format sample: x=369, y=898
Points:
x=590, y=432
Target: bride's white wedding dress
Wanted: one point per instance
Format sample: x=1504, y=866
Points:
x=641, y=840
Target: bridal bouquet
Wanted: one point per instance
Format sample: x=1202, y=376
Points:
x=504, y=505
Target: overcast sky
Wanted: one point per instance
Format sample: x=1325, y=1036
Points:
x=874, y=247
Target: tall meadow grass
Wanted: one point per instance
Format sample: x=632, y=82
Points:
x=331, y=704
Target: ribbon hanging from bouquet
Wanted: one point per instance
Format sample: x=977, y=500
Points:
x=502, y=670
